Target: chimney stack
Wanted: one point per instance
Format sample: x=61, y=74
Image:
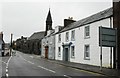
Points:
x=68, y=21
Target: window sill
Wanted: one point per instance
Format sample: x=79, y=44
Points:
x=72, y=39
x=73, y=57
x=86, y=58
x=59, y=56
x=87, y=37
x=67, y=40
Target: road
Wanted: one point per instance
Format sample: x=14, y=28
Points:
x=27, y=65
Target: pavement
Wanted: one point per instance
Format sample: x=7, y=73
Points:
x=95, y=69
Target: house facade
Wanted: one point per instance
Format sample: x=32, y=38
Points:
x=34, y=43
x=48, y=46
x=79, y=41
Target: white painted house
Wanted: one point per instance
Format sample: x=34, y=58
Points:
x=79, y=41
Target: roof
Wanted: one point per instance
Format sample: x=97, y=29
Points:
x=37, y=35
x=96, y=17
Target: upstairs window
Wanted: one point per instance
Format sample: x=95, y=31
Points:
x=73, y=35
x=87, y=31
x=67, y=36
x=59, y=38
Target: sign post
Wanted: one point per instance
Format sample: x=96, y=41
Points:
x=100, y=48
x=107, y=38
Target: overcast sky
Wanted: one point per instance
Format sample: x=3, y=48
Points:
x=24, y=17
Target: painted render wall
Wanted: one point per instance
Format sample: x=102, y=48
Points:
x=51, y=44
x=80, y=42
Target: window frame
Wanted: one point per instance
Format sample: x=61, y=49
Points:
x=85, y=52
x=59, y=38
x=87, y=31
x=72, y=52
x=73, y=35
x=67, y=36
x=59, y=51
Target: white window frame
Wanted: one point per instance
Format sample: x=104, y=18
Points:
x=73, y=35
x=85, y=52
x=67, y=36
x=87, y=31
x=59, y=51
x=72, y=52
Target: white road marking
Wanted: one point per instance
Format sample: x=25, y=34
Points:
x=6, y=70
x=47, y=69
x=31, y=56
x=7, y=75
x=7, y=66
x=67, y=76
x=8, y=60
x=30, y=62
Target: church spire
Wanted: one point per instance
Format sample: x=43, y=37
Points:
x=49, y=18
x=48, y=22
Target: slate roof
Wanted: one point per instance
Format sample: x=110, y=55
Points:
x=37, y=35
x=96, y=17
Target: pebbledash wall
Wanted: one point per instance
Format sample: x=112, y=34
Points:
x=80, y=42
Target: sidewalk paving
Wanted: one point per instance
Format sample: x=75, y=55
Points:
x=95, y=69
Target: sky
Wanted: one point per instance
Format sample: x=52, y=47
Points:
x=24, y=17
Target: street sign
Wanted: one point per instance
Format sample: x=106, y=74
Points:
x=107, y=37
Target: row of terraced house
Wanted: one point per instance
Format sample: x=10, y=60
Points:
x=75, y=41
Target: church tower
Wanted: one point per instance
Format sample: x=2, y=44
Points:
x=48, y=22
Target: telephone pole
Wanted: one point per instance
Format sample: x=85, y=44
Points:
x=11, y=44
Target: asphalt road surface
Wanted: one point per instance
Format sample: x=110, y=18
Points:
x=26, y=65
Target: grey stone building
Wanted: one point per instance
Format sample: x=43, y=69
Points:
x=34, y=42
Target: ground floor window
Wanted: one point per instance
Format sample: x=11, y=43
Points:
x=59, y=51
x=87, y=52
x=72, y=51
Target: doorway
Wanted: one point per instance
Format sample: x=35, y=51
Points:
x=66, y=54
x=46, y=52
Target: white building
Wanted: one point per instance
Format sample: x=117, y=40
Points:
x=48, y=45
x=79, y=41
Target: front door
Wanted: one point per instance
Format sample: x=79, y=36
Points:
x=66, y=54
x=46, y=52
